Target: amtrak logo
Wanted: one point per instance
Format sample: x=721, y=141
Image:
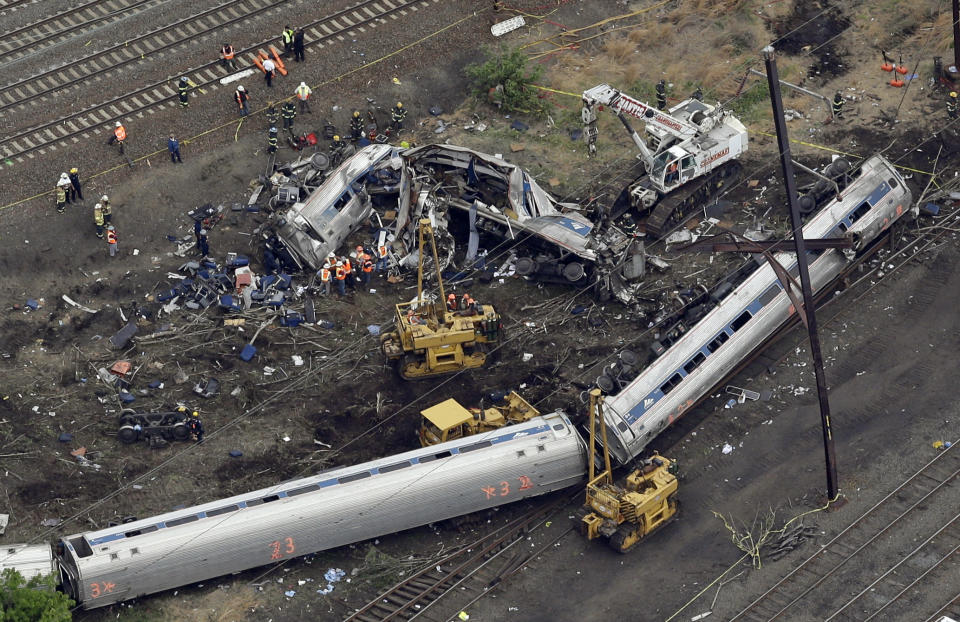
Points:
x=647, y=403
x=579, y=226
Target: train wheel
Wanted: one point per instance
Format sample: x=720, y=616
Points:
x=127, y=434
x=180, y=432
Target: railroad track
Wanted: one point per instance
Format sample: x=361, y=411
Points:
x=14, y=4
x=464, y=576
x=135, y=50
x=338, y=26
x=815, y=587
x=29, y=39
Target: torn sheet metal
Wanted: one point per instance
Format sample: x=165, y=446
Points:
x=321, y=223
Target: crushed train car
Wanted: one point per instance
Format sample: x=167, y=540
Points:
x=550, y=241
x=321, y=217
x=555, y=241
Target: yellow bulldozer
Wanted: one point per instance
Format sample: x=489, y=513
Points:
x=626, y=514
x=432, y=339
x=448, y=420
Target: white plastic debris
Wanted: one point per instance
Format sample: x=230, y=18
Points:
x=297, y=360
x=526, y=357
x=267, y=371
x=136, y=252
x=727, y=448
x=286, y=439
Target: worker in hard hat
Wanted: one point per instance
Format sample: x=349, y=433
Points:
x=451, y=302
x=288, y=111
x=303, y=93
x=63, y=186
x=838, y=103
x=356, y=125
x=76, y=191
x=107, y=209
x=119, y=135
x=240, y=96
x=272, y=140
x=182, y=89
x=952, y=105
x=98, y=219
x=398, y=114
x=196, y=426
x=340, y=276
x=661, y=94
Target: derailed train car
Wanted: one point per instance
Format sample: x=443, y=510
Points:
x=336, y=507
x=745, y=317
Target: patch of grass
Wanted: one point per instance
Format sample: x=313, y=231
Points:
x=753, y=103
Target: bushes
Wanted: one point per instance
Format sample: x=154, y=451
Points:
x=511, y=70
x=31, y=601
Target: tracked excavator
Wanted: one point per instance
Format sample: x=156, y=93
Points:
x=625, y=514
x=690, y=155
x=431, y=339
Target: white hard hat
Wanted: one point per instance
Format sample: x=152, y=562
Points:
x=203, y=232
x=240, y=88
x=331, y=254
x=391, y=238
x=104, y=198
x=117, y=124
x=97, y=206
x=64, y=176
x=339, y=263
x=303, y=84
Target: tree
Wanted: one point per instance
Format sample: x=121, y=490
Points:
x=35, y=600
x=506, y=77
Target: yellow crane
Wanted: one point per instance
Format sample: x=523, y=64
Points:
x=625, y=514
x=431, y=339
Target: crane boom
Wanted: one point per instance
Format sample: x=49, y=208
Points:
x=606, y=95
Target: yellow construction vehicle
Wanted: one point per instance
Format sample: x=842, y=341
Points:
x=625, y=515
x=448, y=420
x=432, y=339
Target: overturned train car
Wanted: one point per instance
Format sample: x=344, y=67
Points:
x=333, y=508
x=743, y=319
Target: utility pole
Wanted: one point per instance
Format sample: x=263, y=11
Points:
x=783, y=143
x=956, y=34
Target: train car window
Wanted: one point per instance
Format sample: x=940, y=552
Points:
x=720, y=339
x=794, y=271
x=623, y=427
x=859, y=213
x=137, y=532
x=475, y=446
x=767, y=297
x=181, y=521
x=695, y=362
x=346, y=479
x=559, y=427
x=741, y=321
x=393, y=467
x=224, y=510
x=271, y=498
x=541, y=448
x=81, y=547
x=892, y=182
x=252, y=502
x=299, y=491
x=134, y=551
x=670, y=384
x=842, y=227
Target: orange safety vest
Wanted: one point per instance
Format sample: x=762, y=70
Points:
x=120, y=133
x=111, y=237
x=227, y=52
x=324, y=274
x=367, y=264
x=383, y=252
x=347, y=268
x=341, y=273
x=465, y=302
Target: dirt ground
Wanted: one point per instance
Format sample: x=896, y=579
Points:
x=894, y=345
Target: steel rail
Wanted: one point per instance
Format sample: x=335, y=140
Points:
x=413, y=596
x=131, y=51
x=806, y=571
x=162, y=93
x=46, y=33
